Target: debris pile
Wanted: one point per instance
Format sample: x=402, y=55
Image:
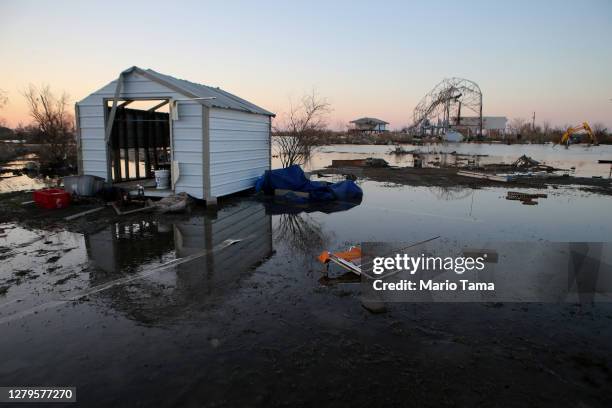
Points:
x=525, y=198
x=171, y=204
x=523, y=164
x=400, y=150
x=369, y=162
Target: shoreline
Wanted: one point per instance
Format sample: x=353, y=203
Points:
x=448, y=177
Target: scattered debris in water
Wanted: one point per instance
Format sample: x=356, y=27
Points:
x=525, y=198
x=369, y=162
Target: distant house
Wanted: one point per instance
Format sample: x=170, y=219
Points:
x=371, y=125
x=488, y=122
x=491, y=125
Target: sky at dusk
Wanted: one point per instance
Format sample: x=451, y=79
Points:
x=367, y=58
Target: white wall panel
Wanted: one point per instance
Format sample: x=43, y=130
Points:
x=239, y=150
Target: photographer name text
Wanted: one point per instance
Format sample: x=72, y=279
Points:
x=431, y=285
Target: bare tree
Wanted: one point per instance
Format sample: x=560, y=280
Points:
x=29, y=133
x=300, y=132
x=546, y=128
x=542, y=133
x=3, y=98
x=518, y=125
x=3, y=103
x=599, y=131
x=7, y=152
x=56, y=125
x=301, y=233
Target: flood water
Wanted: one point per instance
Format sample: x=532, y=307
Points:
x=229, y=310
x=579, y=160
x=583, y=158
x=17, y=180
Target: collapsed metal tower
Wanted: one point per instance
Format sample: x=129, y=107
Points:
x=441, y=108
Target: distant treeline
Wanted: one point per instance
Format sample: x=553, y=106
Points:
x=56, y=155
x=29, y=134
x=524, y=135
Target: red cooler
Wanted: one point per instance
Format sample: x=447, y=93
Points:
x=51, y=198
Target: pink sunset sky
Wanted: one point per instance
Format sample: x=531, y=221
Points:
x=367, y=58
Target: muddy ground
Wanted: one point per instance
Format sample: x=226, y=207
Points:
x=448, y=177
x=13, y=209
x=221, y=331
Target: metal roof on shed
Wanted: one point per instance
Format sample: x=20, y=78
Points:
x=215, y=97
x=222, y=99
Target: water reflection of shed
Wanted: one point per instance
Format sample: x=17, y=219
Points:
x=219, y=267
x=124, y=249
x=126, y=245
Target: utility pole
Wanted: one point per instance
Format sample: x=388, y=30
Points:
x=480, y=118
x=533, y=123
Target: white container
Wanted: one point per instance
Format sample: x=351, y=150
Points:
x=85, y=185
x=162, y=179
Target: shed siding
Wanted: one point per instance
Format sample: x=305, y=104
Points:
x=239, y=150
x=186, y=132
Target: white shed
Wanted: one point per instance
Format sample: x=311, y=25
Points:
x=214, y=143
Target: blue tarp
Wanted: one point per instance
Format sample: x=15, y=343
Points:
x=293, y=178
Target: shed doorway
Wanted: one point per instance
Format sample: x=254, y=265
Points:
x=140, y=140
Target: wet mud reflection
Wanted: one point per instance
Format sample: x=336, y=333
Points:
x=210, y=273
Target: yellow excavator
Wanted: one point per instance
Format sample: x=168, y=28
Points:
x=566, y=138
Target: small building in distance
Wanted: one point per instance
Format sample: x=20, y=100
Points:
x=493, y=126
x=369, y=125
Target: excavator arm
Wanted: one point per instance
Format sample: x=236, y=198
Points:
x=571, y=130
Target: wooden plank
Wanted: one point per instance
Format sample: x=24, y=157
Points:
x=116, y=159
x=165, y=132
x=349, y=266
x=119, y=212
x=78, y=215
x=159, y=105
x=113, y=110
x=132, y=138
x=126, y=145
x=159, y=138
x=125, y=103
x=144, y=138
x=150, y=135
x=491, y=177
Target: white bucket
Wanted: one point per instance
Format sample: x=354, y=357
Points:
x=162, y=179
